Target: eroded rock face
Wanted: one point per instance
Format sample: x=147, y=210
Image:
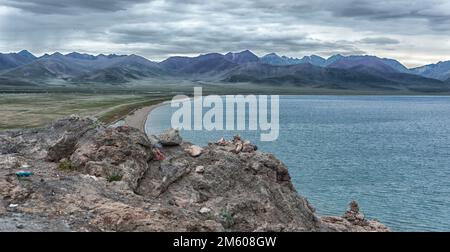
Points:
x=115, y=183
x=120, y=153
x=236, y=193
x=73, y=129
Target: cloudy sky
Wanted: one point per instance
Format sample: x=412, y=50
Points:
x=415, y=32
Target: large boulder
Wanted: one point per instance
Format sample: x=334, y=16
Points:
x=117, y=154
x=70, y=131
x=242, y=191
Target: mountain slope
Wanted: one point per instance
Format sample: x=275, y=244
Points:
x=242, y=57
x=274, y=59
x=337, y=61
x=378, y=64
x=440, y=70
x=52, y=66
x=208, y=64
x=300, y=75
x=12, y=60
x=396, y=65
x=358, y=77
x=123, y=69
x=84, y=67
x=314, y=60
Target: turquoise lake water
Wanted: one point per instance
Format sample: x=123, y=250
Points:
x=390, y=153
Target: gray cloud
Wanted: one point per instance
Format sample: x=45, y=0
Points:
x=379, y=41
x=160, y=28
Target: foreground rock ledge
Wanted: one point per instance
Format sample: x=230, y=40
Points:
x=88, y=177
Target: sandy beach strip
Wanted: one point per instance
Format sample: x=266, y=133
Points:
x=138, y=118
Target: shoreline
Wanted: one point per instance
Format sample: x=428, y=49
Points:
x=138, y=118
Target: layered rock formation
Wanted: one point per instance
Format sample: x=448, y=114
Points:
x=88, y=177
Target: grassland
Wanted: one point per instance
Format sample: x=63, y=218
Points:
x=32, y=110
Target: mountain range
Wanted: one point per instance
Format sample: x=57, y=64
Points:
x=337, y=72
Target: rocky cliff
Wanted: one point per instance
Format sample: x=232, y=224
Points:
x=79, y=175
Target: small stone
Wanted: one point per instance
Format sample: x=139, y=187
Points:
x=158, y=155
x=194, y=150
x=249, y=147
x=170, y=137
x=205, y=210
x=222, y=142
x=20, y=226
x=360, y=216
x=354, y=207
x=12, y=207
x=354, y=214
x=154, y=141
x=200, y=169
x=238, y=148
x=87, y=176
x=25, y=166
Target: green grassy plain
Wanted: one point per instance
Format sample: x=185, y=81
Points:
x=37, y=109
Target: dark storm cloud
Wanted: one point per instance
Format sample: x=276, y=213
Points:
x=392, y=10
x=223, y=39
x=160, y=28
x=69, y=6
x=434, y=12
